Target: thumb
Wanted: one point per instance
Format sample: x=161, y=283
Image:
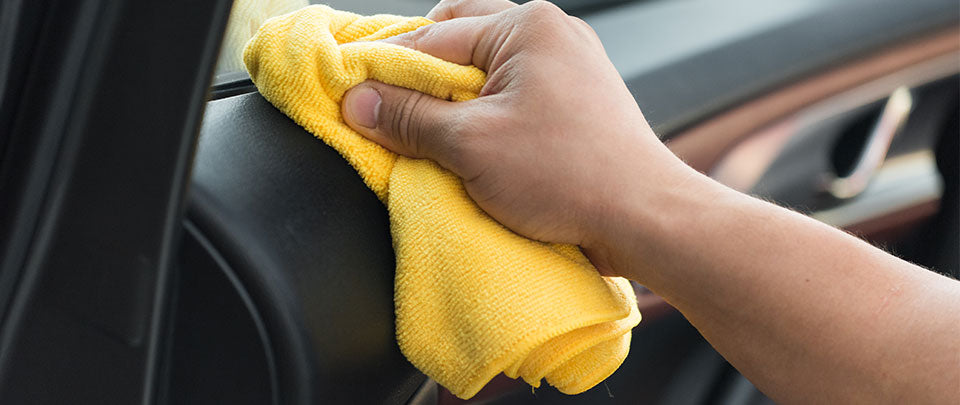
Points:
x=405, y=121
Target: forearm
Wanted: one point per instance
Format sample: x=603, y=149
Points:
x=807, y=312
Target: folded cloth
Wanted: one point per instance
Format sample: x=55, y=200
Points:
x=472, y=298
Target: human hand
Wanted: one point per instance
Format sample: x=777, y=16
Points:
x=555, y=147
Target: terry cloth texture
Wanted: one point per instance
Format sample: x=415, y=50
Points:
x=472, y=298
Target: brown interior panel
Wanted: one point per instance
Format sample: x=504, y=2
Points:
x=703, y=145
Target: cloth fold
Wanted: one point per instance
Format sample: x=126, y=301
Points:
x=472, y=298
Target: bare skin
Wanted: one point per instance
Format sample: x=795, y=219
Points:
x=557, y=150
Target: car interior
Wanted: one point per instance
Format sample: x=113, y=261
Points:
x=204, y=248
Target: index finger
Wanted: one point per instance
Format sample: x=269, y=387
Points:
x=450, y=9
x=460, y=40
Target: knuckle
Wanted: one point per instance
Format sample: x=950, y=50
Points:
x=447, y=9
x=584, y=28
x=411, y=39
x=542, y=21
x=540, y=10
x=578, y=22
x=443, y=10
x=452, y=4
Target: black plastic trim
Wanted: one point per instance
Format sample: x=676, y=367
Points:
x=101, y=137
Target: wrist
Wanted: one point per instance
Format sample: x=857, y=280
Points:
x=647, y=226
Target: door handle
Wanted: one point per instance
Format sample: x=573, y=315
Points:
x=889, y=123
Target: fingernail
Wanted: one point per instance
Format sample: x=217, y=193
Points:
x=363, y=106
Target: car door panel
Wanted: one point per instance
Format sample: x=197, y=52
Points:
x=280, y=289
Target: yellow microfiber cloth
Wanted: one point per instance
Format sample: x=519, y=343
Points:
x=472, y=298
